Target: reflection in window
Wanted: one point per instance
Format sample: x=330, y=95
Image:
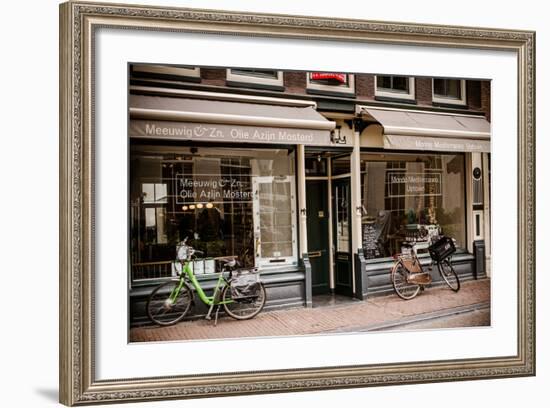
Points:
x=341, y=200
x=154, y=193
x=209, y=195
x=410, y=198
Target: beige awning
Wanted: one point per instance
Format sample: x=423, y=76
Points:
x=221, y=120
x=419, y=130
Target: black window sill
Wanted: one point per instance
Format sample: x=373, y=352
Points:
x=395, y=99
x=164, y=77
x=253, y=85
x=336, y=93
x=450, y=105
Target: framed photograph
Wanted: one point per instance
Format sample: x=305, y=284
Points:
x=255, y=203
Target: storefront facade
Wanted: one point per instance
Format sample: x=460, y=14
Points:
x=319, y=199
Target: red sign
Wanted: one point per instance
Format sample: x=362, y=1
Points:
x=342, y=78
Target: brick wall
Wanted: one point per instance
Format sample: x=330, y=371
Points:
x=213, y=76
x=364, y=86
x=423, y=89
x=295, y=82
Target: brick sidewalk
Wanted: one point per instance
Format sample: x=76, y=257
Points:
x=347, y=317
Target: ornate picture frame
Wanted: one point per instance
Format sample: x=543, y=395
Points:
x=79, y=22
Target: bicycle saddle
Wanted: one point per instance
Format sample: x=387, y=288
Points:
x=229, y=261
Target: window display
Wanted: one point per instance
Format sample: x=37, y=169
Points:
x=227, y=202
x=410, y=198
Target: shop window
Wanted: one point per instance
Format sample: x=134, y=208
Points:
x=411, y=198
x=450, y=91
x=165, y=72
x=315, y=165
x=398, y=87
x=258, y=77
x=331, y=82
x=227, y=202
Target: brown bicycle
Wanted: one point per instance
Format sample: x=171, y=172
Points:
x=408, y=276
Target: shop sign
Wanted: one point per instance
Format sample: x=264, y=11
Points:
x=212, y=188
x=442, y=144
x=342, y=78
x=227, y=133
x=402, y=184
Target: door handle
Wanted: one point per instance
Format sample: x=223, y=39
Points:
x=314, y=254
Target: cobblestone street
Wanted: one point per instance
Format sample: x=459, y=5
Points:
x=437, y=307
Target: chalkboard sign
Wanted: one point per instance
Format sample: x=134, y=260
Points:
x=370, y=236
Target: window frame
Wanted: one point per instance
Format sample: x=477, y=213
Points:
x=164, y=70
x=348, y=90
x=394, y=94
x=450, y=100
x=268, y=262
x=242, y=78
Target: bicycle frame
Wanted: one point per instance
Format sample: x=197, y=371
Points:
x=208, y=300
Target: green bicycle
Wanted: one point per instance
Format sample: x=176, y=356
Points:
x=170, y=302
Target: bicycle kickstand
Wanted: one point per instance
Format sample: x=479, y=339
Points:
x=209, y=314
x=216, y=317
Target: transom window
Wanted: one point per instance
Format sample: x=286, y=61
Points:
x=394, y=87
x=449, y=91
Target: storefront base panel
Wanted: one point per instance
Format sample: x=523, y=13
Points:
x=378, y=274
x=283, y=290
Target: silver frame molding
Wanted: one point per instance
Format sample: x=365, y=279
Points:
x=78, y=22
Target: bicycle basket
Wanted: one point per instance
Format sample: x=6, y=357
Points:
x=442, y=248
x=245, y=284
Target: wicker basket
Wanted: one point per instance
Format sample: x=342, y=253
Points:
x=442, y=249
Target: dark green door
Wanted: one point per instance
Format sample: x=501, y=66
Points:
x=317, y=234
x=342, y=236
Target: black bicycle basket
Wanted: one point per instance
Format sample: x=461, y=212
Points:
x=442, y=248
x=245, y=284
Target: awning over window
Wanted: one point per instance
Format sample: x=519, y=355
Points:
x=295, y=122
x=418, y=130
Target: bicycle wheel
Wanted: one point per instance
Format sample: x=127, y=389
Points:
x=449, y=275
x=245, y=308
x=404, y=289
x=163, y=311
